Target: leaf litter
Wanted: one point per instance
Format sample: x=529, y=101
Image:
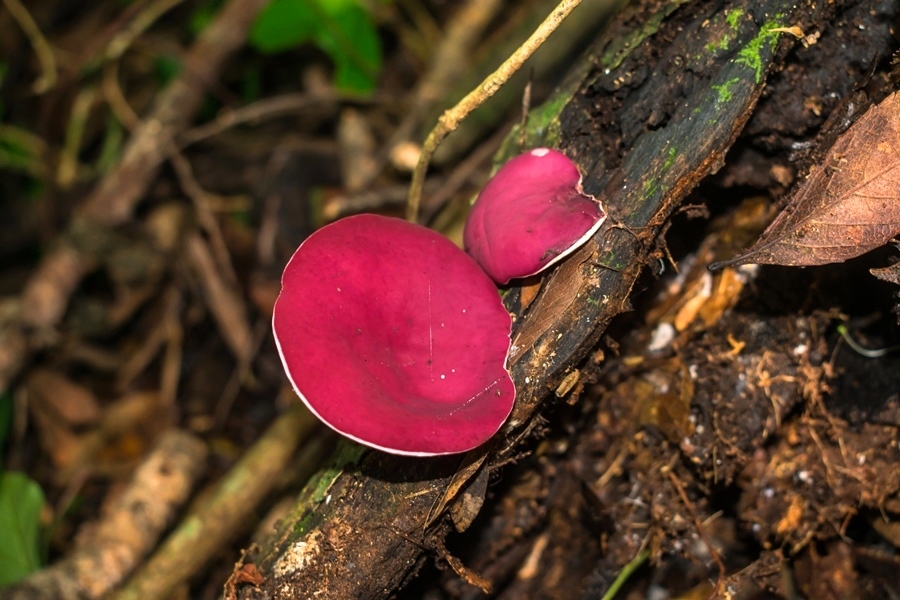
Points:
x=848, y=206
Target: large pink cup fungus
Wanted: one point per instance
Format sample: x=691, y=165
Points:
x=530, y=215
x=394, y=337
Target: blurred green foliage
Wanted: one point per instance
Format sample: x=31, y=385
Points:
x=342, y=29
x=21, y=500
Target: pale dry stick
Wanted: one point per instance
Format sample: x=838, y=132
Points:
x=47, y=292
x=189, y=185
x=147, y=17
x=700, y=530
x=449, y=61
x=234, y=499
x=266, y=108
x=67, y=171
x=173, y=356
x=224, y=300
x=42, y=49
x=202, y=201
x=115, y=199
x=267, y=233
x=106, y=551
x=451, y=118
x=217, y=277
x=151, y=344
x=242, y=375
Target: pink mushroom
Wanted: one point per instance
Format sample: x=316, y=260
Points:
x=530, y=215
x=394, y=337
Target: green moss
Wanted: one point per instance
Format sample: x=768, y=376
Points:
x=733, y=17
x=303, y=525
x=670, y=158
x=724, y=90
x=542, y=127
x=750, y=55
x=346, y=454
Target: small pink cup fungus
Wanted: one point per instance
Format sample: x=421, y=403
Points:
x=530, y=215
x=394, y=337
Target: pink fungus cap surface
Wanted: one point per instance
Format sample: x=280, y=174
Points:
x=394, y=337
x=530, y=215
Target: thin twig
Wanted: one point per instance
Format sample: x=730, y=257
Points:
x=42, y=49
x=223, y=298
x=147, y=17
x=266, y=108
x=113, y=201
x=450, y=59
x=67, y=171
x=105, y=552
x=231, y=502
x=709, y=545
x=451, y=118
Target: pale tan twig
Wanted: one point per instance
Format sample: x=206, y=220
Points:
x=265, y=108
x=42, y=49
x=223, y=298
x=449, y=121
x=713, y=552
x=226, y=510
x=107, y=551
x=147, y=17
x=449, y=61
x=67, y=169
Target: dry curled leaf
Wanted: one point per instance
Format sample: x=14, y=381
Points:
x=890, y=274
x=849, y=205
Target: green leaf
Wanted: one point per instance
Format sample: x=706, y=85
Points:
x=21, y=500
x=350, y=38
x=284, y=24
x=343, y=29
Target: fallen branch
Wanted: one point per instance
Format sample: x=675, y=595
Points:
x=216, y=520
x=46, y=294
x=106, y=552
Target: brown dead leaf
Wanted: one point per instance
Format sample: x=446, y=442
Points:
x=249, y=574
x=560, y=292
x=72, y=403
x=890, y=274
x=471, y=463
x=848, y=206
x=468, y=504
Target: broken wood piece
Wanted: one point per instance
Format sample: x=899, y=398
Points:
x=106, y=552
